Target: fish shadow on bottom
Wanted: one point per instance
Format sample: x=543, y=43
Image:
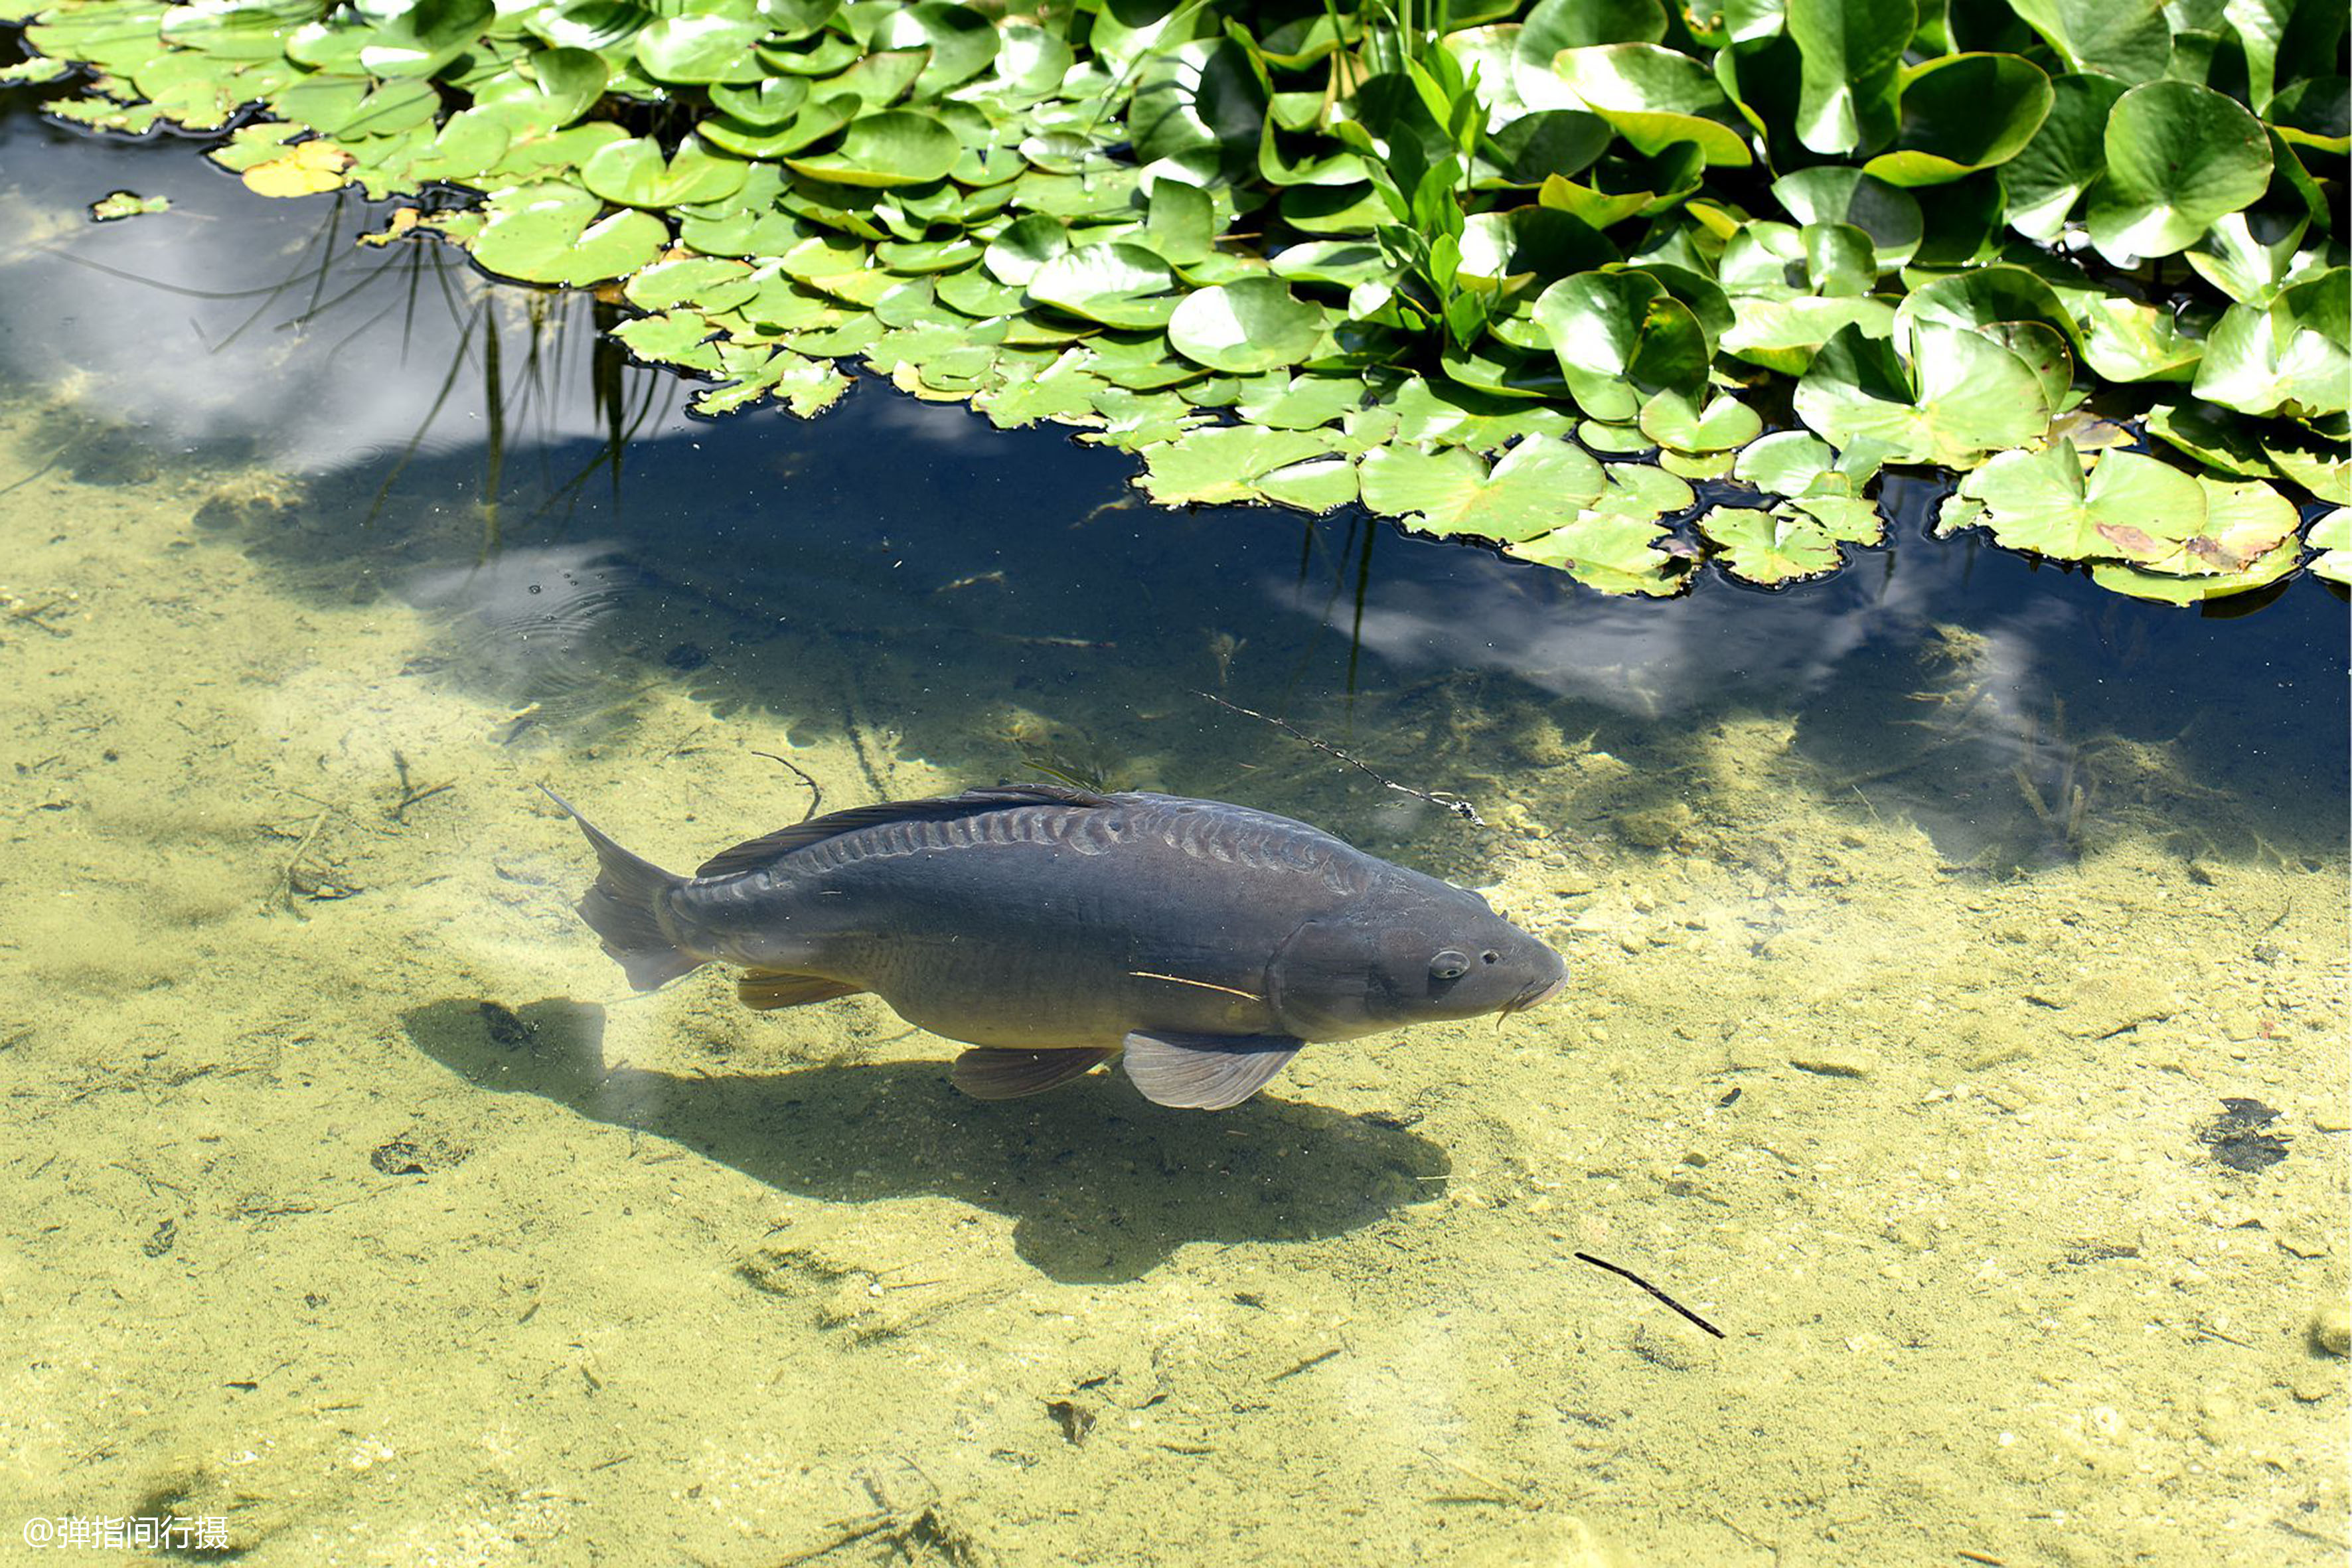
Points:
x=1269, y=1169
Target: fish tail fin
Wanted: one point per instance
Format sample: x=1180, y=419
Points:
x=623, y=909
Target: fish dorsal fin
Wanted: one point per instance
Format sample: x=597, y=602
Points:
x=994, y=1072
x=758, y=852
x=1204, y=1072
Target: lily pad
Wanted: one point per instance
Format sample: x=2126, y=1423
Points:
x=1533, y=488
x=419, y=39
x=2292, y=356
x=1217, y=467
x=1679, y=422
x=1619, y=336
x=635, y=174
x=1771, y=547
x=1413, y=255
x=895, y=147
x=1116, y=284
x=2043, y=502
x=2210, y=435
x=1423, y=413
x=1961, y=113
x=2065, y=158
x=1787, y=462
x=1961, y=396
x=117, y=205
x=306, y=169
x=2130, y=43
x=1315, y=485
x=763, y=105
x=1888, y=214
x=1244, y=328
x=547, y=89
x=1655, y=96
x=2332, y=537
x=961, y=42
x=550, y=233
x=2118, y=577
x=2320, y=464
x=1851, y=52
x=2241, y=523
x=1610, y=551
x=699, y=48
x=2179, y=156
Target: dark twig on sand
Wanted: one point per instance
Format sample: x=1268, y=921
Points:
x=294, y=862
x=1653, y=1290
x=409, y=794
x=817, y=793
x=1444, y=800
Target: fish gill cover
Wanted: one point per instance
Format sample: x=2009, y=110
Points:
x=1539, y=275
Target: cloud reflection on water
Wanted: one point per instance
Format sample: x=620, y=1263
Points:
x=226, y=319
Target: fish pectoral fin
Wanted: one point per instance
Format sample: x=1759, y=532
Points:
x=768, y=988
x=1204, y=1072
x=993, y=1073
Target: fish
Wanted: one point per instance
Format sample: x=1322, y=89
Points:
x=1052, y=929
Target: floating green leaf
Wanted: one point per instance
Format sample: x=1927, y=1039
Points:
x=2332, y=537
x=1654, y=97
x=1118, y=285
x=896, y=147
x=1619, y=336
x=1962, y=113
x=1962, y=395
x=1411, y=252
x=1782, y=546
x=1256, y=324
x=2169, y=588
x=635, y=174
x=1218, y=467
x=2043, y=502
x=2065, y=158
x=2130, y=43
x=1679, y=422
x=1851, y=50
x=2177, y=157
x=1888, y=214
x=698, y=48
x=765, y=104
x=2292, y=356
x=1534, y=487
x=961, y=42
x=1610, y=551
x=126, y=203
x=2238, y=525
x=551, y=233
x=2320, y=464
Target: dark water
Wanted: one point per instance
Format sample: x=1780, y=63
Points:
x=1922, y=918
x=458, y=443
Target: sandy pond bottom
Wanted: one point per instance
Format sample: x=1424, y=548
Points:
x=351, y=1199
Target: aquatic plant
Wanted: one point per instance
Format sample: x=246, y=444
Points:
x=1521, y=273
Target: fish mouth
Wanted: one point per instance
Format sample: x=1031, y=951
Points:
x=1537, y=994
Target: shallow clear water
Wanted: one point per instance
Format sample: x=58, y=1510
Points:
x=1940, y=939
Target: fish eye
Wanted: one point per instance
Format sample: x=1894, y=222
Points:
x=1448, y=966
x=1490, y=956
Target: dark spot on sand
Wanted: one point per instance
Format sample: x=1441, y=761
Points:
x=2238, y=1139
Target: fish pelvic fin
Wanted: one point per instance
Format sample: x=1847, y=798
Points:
x=996, y=1072
x=767, y=989
x=623, y=909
